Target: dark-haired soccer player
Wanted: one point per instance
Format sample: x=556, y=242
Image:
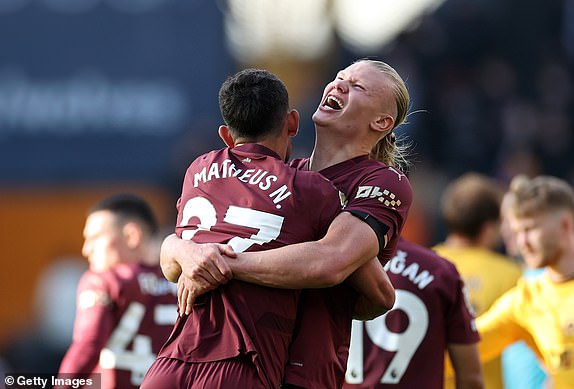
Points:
x=405, y=347
x=245, y=195
x=125, y=307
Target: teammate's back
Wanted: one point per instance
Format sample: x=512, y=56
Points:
x=406, y=346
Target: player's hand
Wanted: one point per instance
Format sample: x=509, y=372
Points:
x=206, y=263
x=188, y=291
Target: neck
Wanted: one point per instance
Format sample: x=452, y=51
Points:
x=277, y=145
x=330, y=150
x=561, y=272
x=459, y=241
x=562, y=268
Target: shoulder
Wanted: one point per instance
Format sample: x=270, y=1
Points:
x=312, y=182
x=388, y=179
x=209, y=157
x=94, y=289
x=505, y=265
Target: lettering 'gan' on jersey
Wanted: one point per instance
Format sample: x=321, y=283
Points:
x=405, y=347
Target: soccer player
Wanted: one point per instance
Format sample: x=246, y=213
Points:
x=125, y=307
x=405, y=347
x=357, y=114
x=245, y=195
x=538, y=310
x=471, y=212
x=521, y=366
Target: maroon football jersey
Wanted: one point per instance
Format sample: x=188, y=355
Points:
x=249, y=198
x=319, y=351
x=405, y=347
x=123, y=317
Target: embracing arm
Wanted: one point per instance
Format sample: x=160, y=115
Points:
x=203, y=260
x=377, y=294
x=346, y=249
x=348, y=244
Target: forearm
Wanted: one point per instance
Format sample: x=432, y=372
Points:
x=169, y=261
x=295, y=266
x=377, y=294
x=348, y=244
x=81, y=358
x=464, y=360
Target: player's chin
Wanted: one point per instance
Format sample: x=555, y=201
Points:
x=323, y=117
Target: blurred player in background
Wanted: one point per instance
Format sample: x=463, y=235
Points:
x=357, y=115
x=521, y=366
x=471, y=212
x=125, y=307
x=539, y=310
x=245, y=195
x=405, y=347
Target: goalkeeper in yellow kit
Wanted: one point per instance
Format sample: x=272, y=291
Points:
x=539, y=311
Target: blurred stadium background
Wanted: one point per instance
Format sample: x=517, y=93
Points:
x=103, y=96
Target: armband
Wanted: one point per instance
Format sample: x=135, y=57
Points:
x=380, y=229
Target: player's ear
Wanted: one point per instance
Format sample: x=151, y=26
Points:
x=383, y=123
x=292, y=122
x=133, y=234
x=225, y=134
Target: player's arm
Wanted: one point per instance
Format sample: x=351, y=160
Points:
x=466, y=364
x=374, y=286
x=348, y=244
x=203, y=263
x=92, y=328
x=498, y=327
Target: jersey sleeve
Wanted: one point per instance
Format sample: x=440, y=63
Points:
x=384, y=194
x=498, y=326
x=92, y=327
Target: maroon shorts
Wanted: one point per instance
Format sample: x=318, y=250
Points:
x=167, y=373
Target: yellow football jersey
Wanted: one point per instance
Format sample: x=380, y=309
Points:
x=487, y=275
x=537, y=308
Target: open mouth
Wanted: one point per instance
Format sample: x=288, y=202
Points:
x=333, y=102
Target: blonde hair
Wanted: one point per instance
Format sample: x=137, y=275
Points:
x=540, y=194
x=387, y=149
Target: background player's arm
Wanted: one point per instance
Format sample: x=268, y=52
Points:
x=92, y=328
x=466, y=364
x=498, y=327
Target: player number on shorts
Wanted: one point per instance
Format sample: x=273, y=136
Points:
x=268, y=224
x=139, y=359
x=404, y=344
